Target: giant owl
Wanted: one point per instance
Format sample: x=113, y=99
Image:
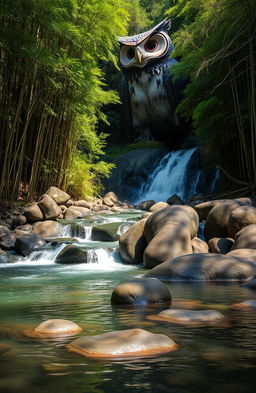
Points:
x=148, y=88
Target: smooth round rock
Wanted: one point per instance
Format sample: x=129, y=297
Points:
x=53, y=328
x=131, y=342
x=141, y=291
x=189, y=316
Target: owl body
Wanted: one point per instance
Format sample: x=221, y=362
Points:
x=148, y=87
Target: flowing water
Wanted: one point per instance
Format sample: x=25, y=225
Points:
x=209, y=359
x=179, y=172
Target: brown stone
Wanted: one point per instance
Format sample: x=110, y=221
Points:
x=132, y=244
x=108, y=202
x=217, y=220
x=245, y=238
x=131, y=342
x=240, y=218
x=141, y=291
x=199, y=246
x=83, y=203
x=49, y=207
x=100, y=208
x=7, y=239
x=175, y=200
x=59, y=196
x=220, y=245
x=53, y=328
x=112, y=196
x=188, y=317
x=146, y=205
x=158, y=206
x=47, y=228
x=74, y=212
x=169, y=232
x=33, y=212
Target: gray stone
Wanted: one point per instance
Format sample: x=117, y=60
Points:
x=49, y=207
x=33, y=212
x=72, y=255
x=7, y=239
x=24, y=245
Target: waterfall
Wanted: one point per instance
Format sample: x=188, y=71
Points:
x=179, y=172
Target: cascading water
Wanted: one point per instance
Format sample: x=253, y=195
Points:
x=179, y=172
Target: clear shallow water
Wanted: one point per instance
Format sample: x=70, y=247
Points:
x=209, y=359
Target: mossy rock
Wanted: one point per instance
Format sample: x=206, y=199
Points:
x=106, y=232
x=72, y=255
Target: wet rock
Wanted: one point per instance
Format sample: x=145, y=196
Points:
x=205, y=267
x=74, y=212
x=100, y=208
x=59, y=196
x=72, y=255
x=49, y=207
x=190, y=317
x=33, y=213
x=7, y=239
x=250, y=283
x=199, y=246
x=141, y=291
x=146, y=205
x=204, y=208
x=53, y=328
x=131, y=342
x=175, y=200
x=240, y=218
x=24, y=245
x=47, y=228
x=158, y=206
x=5, y=257
x=106, y=232
x=217, y=220
x=245, y=238
x=169, y=232
x=132, y=243
x=220, y=245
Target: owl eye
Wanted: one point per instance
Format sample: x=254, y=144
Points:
x=151, y=45
x=130, y=53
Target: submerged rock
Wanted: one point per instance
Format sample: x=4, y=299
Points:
x=141, y=291
x=188, y=316
x=72, y=255
x=53, y=328
x=245, y=304
x=131, y=342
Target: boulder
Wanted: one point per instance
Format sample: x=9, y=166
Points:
x=169, y=232
x=63, y=209
x=247, y=253
x=69, y=203
x=200, y=267
x=188, y=317
x=108, y=202
x=106, y=232
x=240, y=218
x=49, y=207
x=220, y=245
x=53, y=328
x=60, y=197
x=131, y=342
x=146, y=215
x=158, y=206
x=3, y=223
x=246, y=238
x=132, y=244
x=83, y=203
x=112, y=196
x=24, y=245
x=26, y=228
x=204, y=208
x=74, y=212
x=141, y=291
x=33, y=213
x=72, y=255
x=7, y=239
x=175, y=200
x=19, y=220
x=217, y=220
x=18, y=233
x=47, y=228
x=146, y=205
x=199, y=246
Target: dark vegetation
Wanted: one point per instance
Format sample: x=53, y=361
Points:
x=59, y=77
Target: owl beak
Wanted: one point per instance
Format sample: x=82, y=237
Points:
x=139, y=56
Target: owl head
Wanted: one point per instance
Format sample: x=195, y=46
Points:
x=139, y=50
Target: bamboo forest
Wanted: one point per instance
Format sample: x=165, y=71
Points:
x=127, y=196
